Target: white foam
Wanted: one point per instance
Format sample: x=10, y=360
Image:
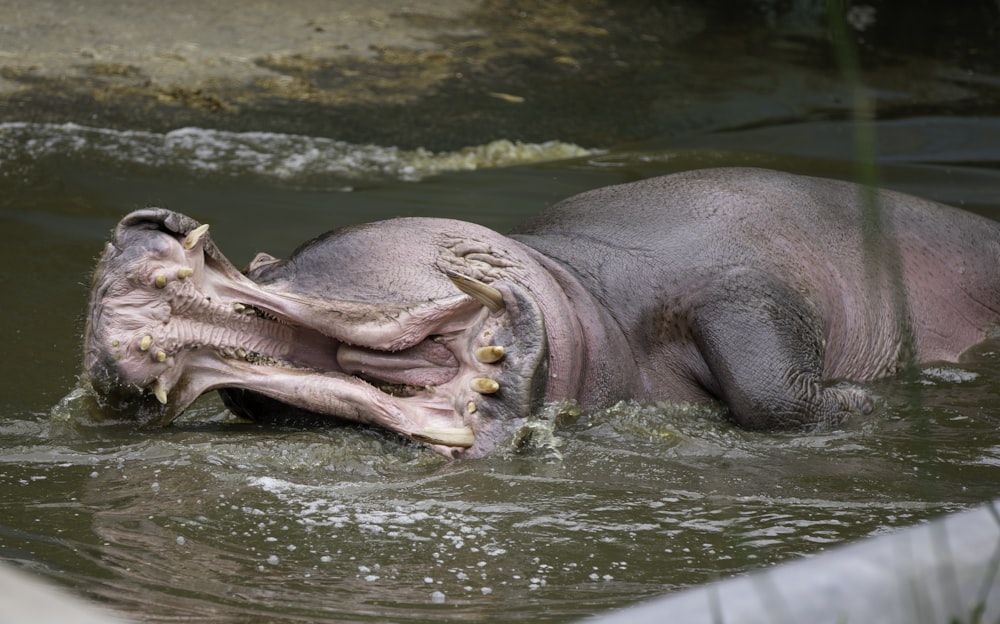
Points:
x=281, y=156
x=949, y=374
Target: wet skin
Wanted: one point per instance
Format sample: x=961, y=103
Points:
x=762, y=290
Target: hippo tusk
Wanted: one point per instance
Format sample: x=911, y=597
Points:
x=448, y=436
x=160, y=281
x=490, y=354
x=483, y=293
x=484, y=385
x=195, y=235
x=160, y=392
x=145, y=342
x=185, y=272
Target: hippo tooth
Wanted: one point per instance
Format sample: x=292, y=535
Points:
x=447, y=436
x=185, y=272
x=195, y=235
x=484, y=385
x=145, y=342
x=490, y=354
x=160, y=392
x=161, y=356
x=160, y=281
x=471, y=408
x=483, y=293
x=239, y=307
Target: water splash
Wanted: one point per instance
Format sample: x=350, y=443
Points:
x=280, y=156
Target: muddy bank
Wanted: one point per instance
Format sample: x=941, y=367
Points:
x=464, y=72
x=349, y=69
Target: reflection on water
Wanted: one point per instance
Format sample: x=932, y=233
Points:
x=213, y=519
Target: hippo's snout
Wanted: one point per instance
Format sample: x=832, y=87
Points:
x=149, y=249
x=448, y=360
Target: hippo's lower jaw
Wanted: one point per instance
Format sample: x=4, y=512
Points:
x=171, y=319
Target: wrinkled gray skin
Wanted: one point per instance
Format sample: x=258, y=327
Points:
x=763, y=290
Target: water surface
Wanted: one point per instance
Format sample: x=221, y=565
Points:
x=212, y=519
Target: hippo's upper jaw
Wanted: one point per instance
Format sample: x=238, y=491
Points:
x=409, y=338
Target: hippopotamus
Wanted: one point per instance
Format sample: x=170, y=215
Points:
x=772, y=294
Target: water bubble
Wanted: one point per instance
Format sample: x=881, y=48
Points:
x=437, y=597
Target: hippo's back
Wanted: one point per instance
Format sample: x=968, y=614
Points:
x=873, y=263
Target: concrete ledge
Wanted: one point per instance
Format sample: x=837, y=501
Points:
x=27, y=599
x=945, y=571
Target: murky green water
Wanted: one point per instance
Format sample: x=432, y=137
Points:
x=221, y=521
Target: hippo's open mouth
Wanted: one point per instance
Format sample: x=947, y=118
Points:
x=171, y=318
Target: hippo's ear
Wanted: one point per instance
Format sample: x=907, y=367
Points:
x=483, y=293
x=260, y=261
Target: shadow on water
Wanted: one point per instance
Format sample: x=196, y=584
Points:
x=214, y=519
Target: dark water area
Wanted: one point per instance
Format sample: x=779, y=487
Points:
x=212, y=519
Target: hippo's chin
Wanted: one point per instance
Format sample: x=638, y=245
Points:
x=171, y=318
